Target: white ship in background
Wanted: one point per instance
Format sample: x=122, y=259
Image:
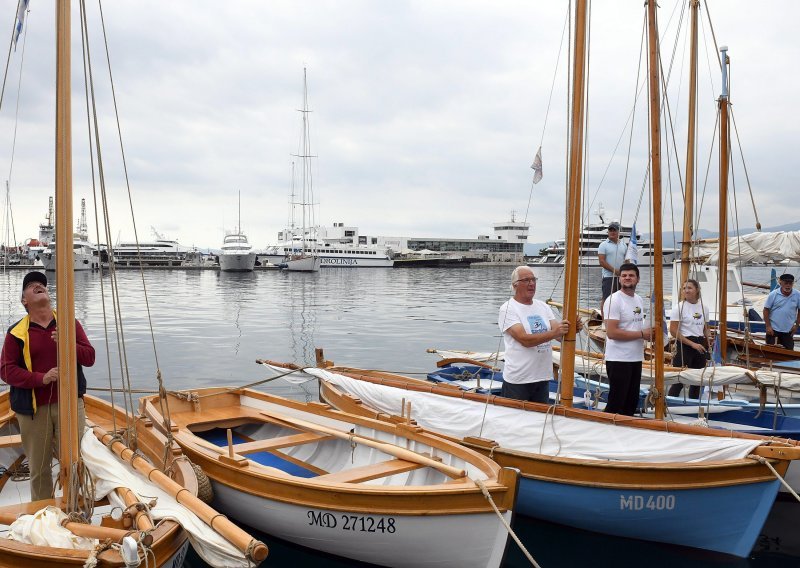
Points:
x=336, y=246
x=591, y=237
x=85, y=254
x=159, y=252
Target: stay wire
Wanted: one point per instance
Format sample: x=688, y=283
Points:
x=8, y=55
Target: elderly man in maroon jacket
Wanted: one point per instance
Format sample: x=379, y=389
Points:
x=29, y=363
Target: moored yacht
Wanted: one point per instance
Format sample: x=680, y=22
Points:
x=86, y=255
x=591, y=237
x=237, y=254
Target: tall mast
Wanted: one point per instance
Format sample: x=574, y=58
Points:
x=722, y=267
x=657, y=317
x=65, y=282
x=688, y=204
x=573, y=217
x=239, y=229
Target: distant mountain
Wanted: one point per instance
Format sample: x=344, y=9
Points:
x=672, y=239
x=676, y=236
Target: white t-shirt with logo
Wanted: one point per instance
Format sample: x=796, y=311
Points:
x=526, y=364
x=692, y=318
x=629, y=312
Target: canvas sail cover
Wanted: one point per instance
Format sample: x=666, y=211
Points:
x=108, y=473
x=753, y=247
x=540, y=433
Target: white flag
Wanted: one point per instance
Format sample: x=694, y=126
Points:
x=632, y=254
x=536, y=166
x=23, y=7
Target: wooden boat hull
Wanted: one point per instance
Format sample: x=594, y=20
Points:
x=677, y=503
x=386, y=540
x=377, y=519
x=170, y=542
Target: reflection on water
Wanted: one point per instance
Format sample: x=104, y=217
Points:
x=210, y=328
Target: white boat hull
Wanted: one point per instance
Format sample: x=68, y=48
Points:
x=418, y=541
x=336, y=261
x=237, y=262
x=304, y=264
x=80, y=261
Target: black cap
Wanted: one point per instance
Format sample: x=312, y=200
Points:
x=786, y=277
x=613, y=227
x=34, y=277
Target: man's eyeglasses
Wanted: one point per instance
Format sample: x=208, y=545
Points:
x=527, y=280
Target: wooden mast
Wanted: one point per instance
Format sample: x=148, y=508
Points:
x=722, y=265
x=65, y=281
x=657, y=317
x=688, y=202
x=573, y=217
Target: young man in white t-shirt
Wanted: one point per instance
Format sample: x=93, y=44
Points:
x=528, y=326
x=624, y=318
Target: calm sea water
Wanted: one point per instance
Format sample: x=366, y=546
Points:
x=208, y=328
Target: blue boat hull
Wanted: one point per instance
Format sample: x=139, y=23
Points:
x=722, y=519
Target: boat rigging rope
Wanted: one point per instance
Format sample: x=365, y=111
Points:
x=485, y=491
x=765, y=461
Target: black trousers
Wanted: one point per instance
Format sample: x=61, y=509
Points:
x=786, y=339
x=686, y=356
x=531, y=392
x=624, y=379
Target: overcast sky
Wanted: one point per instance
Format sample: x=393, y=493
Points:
x=426, y=115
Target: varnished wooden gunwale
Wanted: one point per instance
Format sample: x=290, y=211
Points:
x=168, y=536
x=399, y=381
x=594, y=473
x=257, y=480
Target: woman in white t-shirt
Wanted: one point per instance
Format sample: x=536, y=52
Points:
x=689, y=326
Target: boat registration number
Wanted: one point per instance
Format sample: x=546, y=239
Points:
x=650, y=503
x=354, y=523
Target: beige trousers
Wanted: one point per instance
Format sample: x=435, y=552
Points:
x=40, y=442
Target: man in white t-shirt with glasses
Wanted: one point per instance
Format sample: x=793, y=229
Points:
x=528, y=327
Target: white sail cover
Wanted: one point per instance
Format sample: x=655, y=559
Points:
x=44, y=528
x=754, y=247
x=541, y=433
x=708, y=376
x=108, y=473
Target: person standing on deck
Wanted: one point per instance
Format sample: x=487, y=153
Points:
x=782, y=312
x=688, y=324
x=528, y=325
x=611, y=255
x=624, y=317
x=29, y=363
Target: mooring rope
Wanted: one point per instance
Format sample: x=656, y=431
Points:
x=511, y=532
x=765, y=461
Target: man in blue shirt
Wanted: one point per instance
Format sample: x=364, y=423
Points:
x=611, y=254
x=782, y=313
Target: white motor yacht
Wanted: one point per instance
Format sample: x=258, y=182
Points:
x=237, y=254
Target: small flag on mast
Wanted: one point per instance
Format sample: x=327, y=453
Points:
x=23, y=8
x=632, y=254
x=536, y=166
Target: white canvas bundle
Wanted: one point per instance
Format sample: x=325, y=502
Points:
x=537, y=432
x=43, y=528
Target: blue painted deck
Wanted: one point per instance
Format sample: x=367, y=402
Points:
x=219, y=437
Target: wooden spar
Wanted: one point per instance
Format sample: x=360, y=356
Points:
x=233, y=534
x=722, y=265
x=65, y=278
x=573, y=216
x=78, y=529
x=688, y=202
x=657, y=317
x=385, y=447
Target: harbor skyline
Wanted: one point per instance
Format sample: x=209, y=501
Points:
x=418, y=110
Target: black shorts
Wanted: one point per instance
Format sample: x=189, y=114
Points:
x=785, y=339
x=610, y=285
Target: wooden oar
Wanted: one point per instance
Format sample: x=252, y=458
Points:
x=233, y=534
x=451, y=360
x=385, y=447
